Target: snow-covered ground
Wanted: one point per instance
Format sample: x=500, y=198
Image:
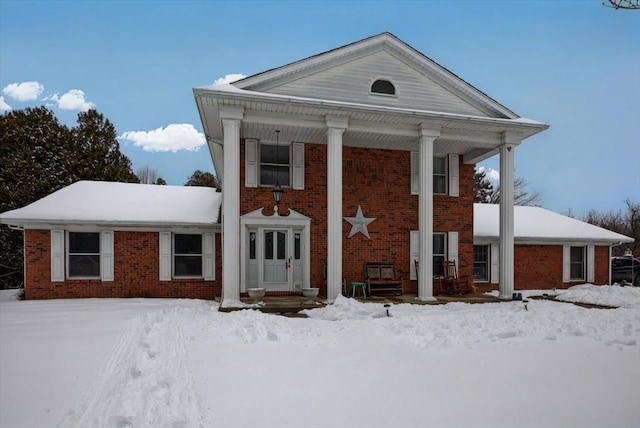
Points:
x=179, y=363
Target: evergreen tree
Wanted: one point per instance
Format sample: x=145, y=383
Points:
x=204, y=179
x=38, y=156
x=482, y=187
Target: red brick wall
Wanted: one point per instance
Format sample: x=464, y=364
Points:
x=378, y=181
x=136, y=271
x=539, y=267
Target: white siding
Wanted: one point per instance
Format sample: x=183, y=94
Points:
x=57, y=255
x=106, y=255
x=351, y=82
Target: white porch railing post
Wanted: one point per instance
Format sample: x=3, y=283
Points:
x=425, y=214
x=335, y=128
x=231, y=204
x=507, y=149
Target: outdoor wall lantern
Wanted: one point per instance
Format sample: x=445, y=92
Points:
x=277, y=189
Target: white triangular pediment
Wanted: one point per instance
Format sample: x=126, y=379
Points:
x=291, y=219
x=346, y=74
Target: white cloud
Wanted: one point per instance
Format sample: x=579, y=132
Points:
x=176, y=136
x=492, y=175
x=3, y=105
x=25, y=91
x=74, y=99
x=229, y=78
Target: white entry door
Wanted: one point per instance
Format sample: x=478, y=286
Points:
x=276, y=260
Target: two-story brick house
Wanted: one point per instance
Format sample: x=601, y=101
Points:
x=374, y=125
x=374, y=147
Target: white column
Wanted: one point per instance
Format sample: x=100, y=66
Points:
x=335, y=128
x=507, y=149
x=425, y=214
x=231, y=204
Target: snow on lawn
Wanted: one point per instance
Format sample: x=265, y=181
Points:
x=180, y=363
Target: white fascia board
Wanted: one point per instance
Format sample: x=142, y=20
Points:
x=486, y=240
x=526, y=126
x=134, y=226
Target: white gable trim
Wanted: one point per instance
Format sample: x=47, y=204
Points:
x=394, y=46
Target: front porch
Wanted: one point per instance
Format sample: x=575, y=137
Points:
x=293, y=304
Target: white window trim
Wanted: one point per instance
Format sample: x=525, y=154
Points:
x=451, y=174
x=167, y=256
x=488, y=264
x=60, y=256
x=589, y=263
x=252, y=164
x=450, y=249
x=380, y=94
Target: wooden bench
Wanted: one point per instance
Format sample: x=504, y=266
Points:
x=382, y=277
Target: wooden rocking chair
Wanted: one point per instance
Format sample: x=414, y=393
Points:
x=452, y=282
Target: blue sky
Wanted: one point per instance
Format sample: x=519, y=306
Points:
x=572, y=64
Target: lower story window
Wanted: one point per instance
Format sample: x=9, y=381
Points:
x=481, y=263
x=84, y=255
x=187, y=255
x=577, y=263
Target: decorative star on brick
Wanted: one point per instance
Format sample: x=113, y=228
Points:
x=359, y=223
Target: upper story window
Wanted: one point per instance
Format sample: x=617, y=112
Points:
x=274, y=164
x=382, y=86
x=439, y=175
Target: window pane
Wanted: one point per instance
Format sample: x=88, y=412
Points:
x=383, y=87
x=438, y=244
x=281, y=245
x=439, y=165
x=437, y=265
x=252, y=245
x=577, y=254
x=268, y=245
x=270, y=174
x=439, y=184
x=84, y=266
x=270, y=153
x=577, y=271
x=296, y=246
x=84, y=242
x=188, y=266
x=187, y=244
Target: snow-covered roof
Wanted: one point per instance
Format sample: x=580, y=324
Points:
x=537, y=224
x=126, y=204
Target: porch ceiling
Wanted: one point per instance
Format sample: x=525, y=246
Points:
x=304, y=120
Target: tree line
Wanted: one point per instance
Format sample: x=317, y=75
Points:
x=39, y=155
